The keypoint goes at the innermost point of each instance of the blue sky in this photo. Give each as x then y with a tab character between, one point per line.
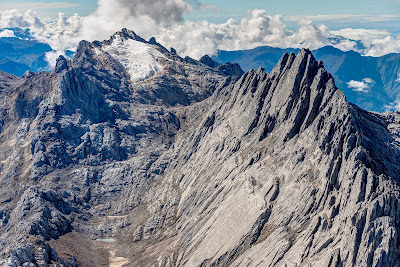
369	26
373	14
51	7
230	8
310	7
236	7
383	14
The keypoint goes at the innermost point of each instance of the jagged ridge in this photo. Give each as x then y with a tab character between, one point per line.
270	169
285	171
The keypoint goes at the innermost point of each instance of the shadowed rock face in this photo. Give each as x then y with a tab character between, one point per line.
193	167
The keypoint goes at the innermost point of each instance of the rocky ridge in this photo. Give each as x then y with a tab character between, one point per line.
194	167
378	74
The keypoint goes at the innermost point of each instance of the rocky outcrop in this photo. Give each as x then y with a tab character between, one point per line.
193	167
232	69
78	143
206	60
283	171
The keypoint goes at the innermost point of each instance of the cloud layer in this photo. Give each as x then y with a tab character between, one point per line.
395	106
146	17
60	34
164	19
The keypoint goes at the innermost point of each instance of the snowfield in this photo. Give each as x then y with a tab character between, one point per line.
139	59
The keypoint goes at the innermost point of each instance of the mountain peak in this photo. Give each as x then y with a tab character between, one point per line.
208	61
124	35
291	96
128	34
280	161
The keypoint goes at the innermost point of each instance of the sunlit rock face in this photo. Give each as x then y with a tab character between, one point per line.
131	155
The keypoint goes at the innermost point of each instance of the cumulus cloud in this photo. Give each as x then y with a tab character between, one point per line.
7	33
361	34
361	86
380	47
199	38
395	106
145	17
351	18
60	34
375	42
165	20
202	37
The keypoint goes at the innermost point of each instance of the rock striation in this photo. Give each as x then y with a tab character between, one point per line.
193	165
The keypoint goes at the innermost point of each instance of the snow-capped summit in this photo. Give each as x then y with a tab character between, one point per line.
139	58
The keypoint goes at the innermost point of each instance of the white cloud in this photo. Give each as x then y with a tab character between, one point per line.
143	16
52	56
202	37
380	47
398	77
395	106
368	81
198	38
361	34
375	42
44	29
361	86
60	34
164	19
7	33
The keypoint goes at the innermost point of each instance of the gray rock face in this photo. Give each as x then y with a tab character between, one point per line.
191	166
232	69
206	60
283	172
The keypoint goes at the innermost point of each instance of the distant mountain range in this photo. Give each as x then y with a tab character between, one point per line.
370	82
22	53
18	55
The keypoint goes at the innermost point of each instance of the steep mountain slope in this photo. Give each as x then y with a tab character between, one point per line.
344	66
284	171
189	166
77	143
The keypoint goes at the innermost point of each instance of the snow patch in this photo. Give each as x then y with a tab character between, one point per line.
361	86
98	51
139	59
